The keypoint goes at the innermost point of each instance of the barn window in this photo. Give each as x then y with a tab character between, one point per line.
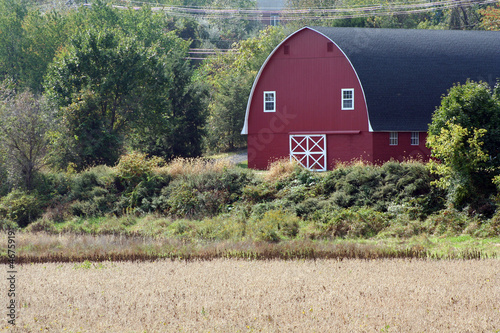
286	49
269	101
393	138
415	139
347	99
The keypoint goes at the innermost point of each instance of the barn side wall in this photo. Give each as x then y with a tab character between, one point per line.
266	147
383	151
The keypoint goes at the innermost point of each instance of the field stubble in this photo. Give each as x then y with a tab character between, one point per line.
228	295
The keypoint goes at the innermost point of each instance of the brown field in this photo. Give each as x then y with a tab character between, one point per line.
228	295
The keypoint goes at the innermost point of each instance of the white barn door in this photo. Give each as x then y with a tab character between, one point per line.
309	150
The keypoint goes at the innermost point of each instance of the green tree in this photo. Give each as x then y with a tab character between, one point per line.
230	77
12	14
178	130
24	122
103	83
464	137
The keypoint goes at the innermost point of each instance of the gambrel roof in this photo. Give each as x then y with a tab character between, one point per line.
404	73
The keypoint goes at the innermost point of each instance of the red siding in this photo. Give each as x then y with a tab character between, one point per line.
308	83
383	151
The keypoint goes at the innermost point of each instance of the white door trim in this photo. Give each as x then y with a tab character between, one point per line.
309	151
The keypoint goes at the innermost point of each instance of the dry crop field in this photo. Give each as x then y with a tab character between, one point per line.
228	295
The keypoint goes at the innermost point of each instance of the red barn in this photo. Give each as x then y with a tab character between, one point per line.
328	95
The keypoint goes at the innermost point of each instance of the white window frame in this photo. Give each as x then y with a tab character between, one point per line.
274	20
415	138
273	93
393	139
344	99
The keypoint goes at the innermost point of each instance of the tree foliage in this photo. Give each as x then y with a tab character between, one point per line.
231	76
490	19
110	86
464	138
24	122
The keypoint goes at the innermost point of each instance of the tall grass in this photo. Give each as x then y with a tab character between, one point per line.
43	247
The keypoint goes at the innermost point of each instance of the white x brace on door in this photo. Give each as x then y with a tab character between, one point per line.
309	150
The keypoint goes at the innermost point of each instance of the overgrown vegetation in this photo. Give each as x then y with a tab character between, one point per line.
205	200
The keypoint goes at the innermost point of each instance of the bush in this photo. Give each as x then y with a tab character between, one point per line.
204	194
41	225
20	207
448	221
134	167
379	187
274	225
222	227
348	222
8	225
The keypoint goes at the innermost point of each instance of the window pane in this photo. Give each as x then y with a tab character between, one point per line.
415	140
393	138
347	104
269	101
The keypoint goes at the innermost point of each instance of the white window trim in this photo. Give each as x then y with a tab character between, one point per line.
393	138
274	101
345	99
415	138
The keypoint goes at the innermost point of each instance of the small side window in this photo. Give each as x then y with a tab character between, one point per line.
393	138
347	99
415	138
269	101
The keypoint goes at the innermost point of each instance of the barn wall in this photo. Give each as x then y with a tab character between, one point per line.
403	151
308	82
264	148
349	148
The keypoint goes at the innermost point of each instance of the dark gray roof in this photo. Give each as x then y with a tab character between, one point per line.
404	73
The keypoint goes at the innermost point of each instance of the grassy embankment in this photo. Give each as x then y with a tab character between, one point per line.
144	209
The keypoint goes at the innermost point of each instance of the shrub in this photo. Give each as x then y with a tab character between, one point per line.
135	167
448	221
222	227
206	194
490	228
181	228
261	192
348	222
20	207
41	225
273	226
7	225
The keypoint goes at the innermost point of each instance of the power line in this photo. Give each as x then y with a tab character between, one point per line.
315	13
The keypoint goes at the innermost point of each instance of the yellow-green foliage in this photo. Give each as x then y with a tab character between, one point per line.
274	225
136	166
